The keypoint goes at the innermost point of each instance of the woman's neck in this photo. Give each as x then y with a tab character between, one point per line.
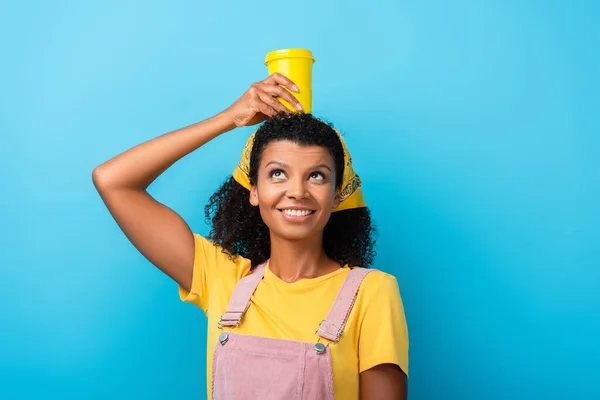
295	260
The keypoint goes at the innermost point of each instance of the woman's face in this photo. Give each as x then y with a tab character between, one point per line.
295	189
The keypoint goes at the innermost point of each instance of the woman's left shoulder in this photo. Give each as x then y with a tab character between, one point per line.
378	297
377	281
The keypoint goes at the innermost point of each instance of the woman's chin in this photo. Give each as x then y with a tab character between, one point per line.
297	233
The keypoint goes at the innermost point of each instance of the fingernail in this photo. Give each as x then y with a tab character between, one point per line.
299	107
295	88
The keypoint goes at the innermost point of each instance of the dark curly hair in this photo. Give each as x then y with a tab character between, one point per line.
237	226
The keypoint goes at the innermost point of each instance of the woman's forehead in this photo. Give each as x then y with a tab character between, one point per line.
293	154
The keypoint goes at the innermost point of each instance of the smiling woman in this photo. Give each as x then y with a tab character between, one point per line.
299	189
293	162
293	310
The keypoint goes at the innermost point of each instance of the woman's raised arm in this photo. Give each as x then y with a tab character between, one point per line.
159	233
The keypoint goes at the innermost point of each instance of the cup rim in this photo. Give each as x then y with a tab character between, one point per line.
288	53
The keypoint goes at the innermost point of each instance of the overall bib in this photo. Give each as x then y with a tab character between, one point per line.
252	367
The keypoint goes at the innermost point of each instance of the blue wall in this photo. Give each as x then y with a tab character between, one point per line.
474	126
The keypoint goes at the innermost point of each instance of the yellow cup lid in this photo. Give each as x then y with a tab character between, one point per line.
288	53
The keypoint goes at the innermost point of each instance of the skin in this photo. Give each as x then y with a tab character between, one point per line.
383	382
166	240
303	177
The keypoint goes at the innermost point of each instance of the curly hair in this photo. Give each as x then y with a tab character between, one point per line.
237	226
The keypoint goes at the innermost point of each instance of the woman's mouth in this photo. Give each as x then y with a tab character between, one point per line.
296	215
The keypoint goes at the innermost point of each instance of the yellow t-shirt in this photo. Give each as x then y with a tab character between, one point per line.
375	332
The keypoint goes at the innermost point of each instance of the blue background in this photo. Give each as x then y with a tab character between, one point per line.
474	125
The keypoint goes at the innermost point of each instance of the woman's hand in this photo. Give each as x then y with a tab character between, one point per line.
260	101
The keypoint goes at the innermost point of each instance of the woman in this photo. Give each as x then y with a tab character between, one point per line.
291	312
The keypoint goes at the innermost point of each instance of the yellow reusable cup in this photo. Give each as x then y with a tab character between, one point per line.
296	64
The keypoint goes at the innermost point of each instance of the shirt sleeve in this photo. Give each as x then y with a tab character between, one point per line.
210	263
384	333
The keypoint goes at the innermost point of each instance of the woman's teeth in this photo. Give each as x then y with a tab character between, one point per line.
297	213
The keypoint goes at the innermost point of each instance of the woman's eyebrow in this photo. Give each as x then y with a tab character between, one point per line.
284	165
321	166
281	164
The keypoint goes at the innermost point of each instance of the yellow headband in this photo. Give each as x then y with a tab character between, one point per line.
351	195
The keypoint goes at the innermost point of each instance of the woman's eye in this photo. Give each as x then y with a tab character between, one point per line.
277	174
317	176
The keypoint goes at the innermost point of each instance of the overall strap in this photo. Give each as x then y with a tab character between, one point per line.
333	325
240	298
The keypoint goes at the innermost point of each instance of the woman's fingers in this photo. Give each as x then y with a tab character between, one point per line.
272	101
256	102
259	106
262	100
273	85
279	79
278	91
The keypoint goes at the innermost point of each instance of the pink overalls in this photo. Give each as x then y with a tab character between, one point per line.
252	367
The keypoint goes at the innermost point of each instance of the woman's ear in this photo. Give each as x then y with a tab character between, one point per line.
253	196
336	199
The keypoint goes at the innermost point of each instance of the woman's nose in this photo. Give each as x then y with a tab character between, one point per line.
296	189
